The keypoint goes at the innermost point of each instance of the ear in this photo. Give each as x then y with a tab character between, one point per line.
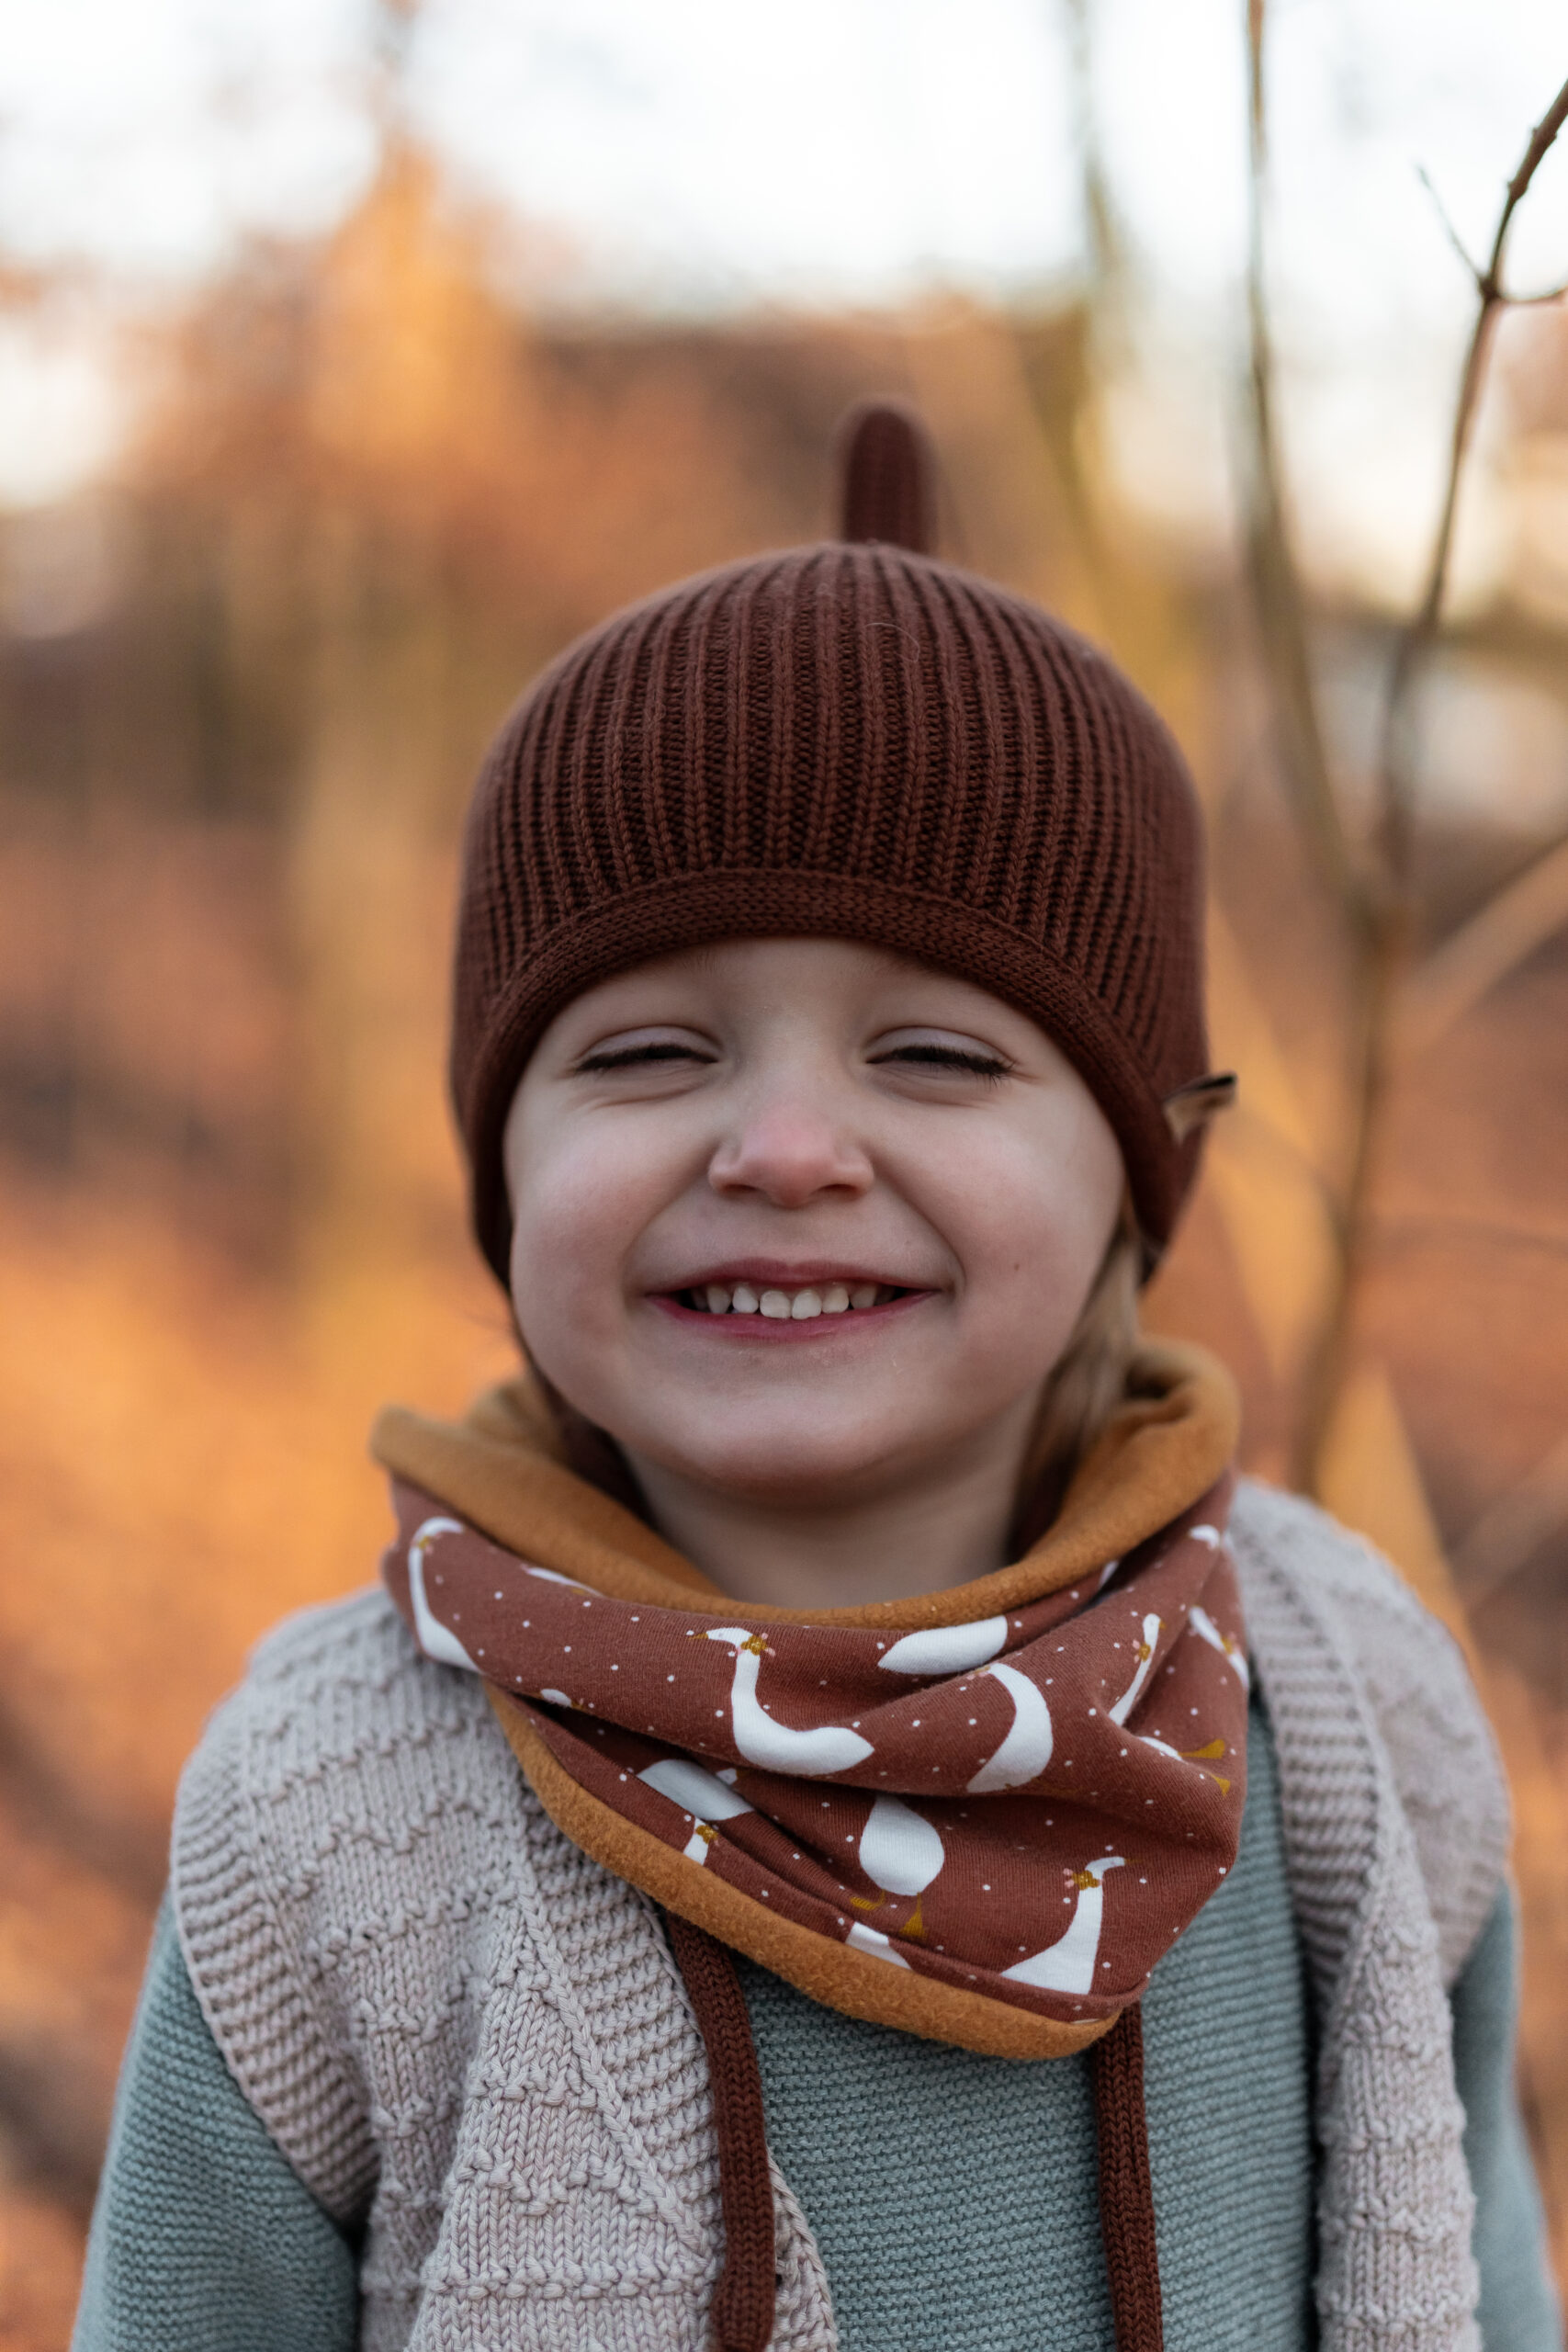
1193	1106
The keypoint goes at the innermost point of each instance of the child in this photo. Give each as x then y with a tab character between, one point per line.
842	1691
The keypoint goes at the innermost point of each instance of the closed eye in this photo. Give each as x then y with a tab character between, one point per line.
638	1057
970	1059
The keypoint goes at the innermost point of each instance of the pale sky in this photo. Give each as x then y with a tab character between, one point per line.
713	154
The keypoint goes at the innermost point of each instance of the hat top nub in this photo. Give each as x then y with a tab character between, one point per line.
889	477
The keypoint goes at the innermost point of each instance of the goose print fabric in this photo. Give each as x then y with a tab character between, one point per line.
1029	1808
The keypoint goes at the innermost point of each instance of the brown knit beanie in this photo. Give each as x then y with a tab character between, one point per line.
850	739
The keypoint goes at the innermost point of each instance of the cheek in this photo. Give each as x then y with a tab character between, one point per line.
1029	1218
578	1212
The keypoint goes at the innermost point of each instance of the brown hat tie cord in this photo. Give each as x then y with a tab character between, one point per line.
742	2312
1126	2191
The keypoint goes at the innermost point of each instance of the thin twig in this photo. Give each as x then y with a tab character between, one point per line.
1541	140
1512	1528
1472	268
1444	1230
1397	763
1387	925
1107	247
1520	916
1275	586
1382	960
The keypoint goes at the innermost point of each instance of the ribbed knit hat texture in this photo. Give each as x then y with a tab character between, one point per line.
849	740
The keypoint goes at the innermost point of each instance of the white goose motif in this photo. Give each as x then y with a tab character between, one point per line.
1161	1747
436	1640
1025	1752
900	1850
775	1748
706	1798
873	1941
946	1649
1067	1965
1126	1702
1235	1657
901	1853
1199	1756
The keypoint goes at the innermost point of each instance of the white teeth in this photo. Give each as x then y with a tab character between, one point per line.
788	1307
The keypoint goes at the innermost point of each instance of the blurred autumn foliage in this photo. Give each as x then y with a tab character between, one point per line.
243	692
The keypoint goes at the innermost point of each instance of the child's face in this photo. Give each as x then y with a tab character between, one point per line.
798	1123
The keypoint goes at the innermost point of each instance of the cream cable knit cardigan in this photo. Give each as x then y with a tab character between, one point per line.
458	2026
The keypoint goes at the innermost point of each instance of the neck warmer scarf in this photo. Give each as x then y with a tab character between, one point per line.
981	1815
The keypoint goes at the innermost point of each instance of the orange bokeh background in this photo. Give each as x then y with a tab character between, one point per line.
369	498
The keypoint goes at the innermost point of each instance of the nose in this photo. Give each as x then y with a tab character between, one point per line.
787	1150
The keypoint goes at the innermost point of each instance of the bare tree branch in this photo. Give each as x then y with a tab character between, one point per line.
1517	920
1512	1529
1472	268
1398	750
1385	920
1278	600
1106	249
1457	1231
1542	140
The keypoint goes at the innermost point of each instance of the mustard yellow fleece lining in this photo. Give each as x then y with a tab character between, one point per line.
500	1468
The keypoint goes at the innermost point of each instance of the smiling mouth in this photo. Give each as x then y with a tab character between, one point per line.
777	1305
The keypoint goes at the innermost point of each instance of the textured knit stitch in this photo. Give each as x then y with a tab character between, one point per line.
919	2226
435	2001
930	2176
1383	1941
1126	2191
742	2312
287	2275
1519	2301
855	741
440	2008
742	2316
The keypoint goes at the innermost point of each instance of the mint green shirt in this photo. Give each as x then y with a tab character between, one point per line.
953	2198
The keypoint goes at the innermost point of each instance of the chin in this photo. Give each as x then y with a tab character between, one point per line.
805	1466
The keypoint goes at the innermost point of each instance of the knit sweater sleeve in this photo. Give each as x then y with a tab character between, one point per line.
1519	2310
204	2238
